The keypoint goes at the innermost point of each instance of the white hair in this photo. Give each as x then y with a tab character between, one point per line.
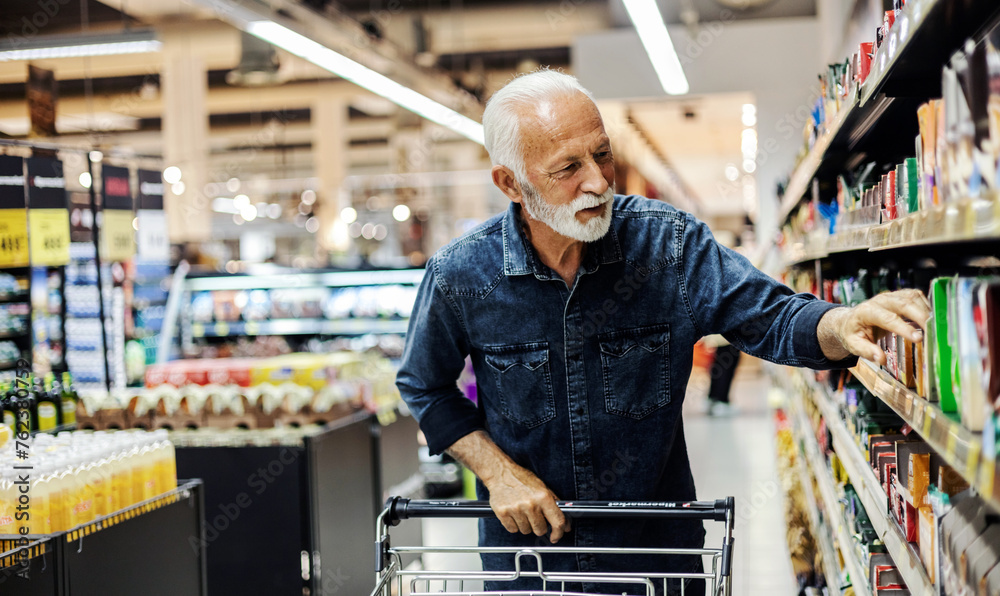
501	125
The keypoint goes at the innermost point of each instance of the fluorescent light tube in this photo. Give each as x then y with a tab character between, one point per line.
348	69
653	33
73	46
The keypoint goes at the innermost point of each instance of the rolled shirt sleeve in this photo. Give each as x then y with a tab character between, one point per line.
433	359
726	294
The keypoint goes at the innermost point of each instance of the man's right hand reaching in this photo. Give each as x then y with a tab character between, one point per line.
520	500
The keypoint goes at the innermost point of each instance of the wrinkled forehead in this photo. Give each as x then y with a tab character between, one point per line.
560	119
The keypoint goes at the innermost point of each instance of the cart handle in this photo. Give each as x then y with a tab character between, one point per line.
399	508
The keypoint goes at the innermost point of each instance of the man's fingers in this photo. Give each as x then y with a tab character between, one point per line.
911	304
884	318
508	523
557	520
865	349
538	524
523	524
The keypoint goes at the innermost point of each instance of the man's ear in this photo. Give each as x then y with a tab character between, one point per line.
504	179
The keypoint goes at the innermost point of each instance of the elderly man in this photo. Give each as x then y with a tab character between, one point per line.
580	309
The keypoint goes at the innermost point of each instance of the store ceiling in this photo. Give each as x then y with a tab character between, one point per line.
481	43
701	136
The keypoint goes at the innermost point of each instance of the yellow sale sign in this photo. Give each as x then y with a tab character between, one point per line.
49	237
13	238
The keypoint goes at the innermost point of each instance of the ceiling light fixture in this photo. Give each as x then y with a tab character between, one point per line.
45	47
377	83
656	40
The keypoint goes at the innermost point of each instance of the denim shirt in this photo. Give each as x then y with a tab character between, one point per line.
583	385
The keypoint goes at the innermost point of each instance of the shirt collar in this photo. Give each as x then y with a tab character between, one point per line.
520	257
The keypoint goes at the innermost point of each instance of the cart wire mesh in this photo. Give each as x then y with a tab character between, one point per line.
392	579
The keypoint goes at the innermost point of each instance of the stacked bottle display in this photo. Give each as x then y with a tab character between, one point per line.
49	403
77	477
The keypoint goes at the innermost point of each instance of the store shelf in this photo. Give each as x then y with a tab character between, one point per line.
803	174
875	501
305	280
299	327
969	220
816	462
908	22
961	448
8	297
908	61
960	221
182	492
11	554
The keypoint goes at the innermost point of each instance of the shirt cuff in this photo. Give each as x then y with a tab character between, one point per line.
805	341
448	421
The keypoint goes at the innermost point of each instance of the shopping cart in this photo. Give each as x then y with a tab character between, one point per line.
392	579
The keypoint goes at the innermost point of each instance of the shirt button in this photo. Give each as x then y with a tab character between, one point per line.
579	410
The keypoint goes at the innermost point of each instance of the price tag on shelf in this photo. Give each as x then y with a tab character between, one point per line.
197	330
929	415
48	237
987	479
221	329
949	448
13	238
252	328
118	236
973	461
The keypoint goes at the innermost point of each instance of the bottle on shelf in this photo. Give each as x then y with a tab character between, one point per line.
47	406
68	398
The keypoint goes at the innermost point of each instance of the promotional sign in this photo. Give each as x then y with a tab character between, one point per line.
48	215
13	215
117	233
154	244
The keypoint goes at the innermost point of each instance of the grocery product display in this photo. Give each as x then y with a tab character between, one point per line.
289	390
77	477
905	451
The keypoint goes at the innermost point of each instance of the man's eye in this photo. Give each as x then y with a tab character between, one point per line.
602	155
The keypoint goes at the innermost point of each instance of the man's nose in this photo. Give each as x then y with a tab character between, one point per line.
593	179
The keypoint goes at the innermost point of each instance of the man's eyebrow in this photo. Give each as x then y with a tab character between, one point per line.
604	145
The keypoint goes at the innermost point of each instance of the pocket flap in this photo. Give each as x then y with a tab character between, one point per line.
531	356
618	343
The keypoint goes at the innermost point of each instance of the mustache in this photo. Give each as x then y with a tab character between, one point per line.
588	200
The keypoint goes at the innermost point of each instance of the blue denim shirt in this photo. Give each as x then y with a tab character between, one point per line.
583	385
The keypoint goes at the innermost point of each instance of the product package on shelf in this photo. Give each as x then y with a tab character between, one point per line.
294	389
85	346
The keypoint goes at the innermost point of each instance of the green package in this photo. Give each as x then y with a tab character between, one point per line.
941	349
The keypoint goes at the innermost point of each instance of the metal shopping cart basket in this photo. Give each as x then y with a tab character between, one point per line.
393	580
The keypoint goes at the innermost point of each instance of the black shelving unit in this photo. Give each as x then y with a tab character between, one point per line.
284	519
144	549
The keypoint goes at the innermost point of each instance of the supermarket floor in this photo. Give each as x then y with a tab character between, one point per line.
731	455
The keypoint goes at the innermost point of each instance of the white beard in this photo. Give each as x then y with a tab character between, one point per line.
562	218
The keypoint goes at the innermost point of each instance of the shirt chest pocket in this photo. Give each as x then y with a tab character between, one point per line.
523	382
636	368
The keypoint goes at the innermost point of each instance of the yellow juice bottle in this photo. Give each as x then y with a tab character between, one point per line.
58	498
167	462
41	521
8	500
147	467
103	501
122	492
